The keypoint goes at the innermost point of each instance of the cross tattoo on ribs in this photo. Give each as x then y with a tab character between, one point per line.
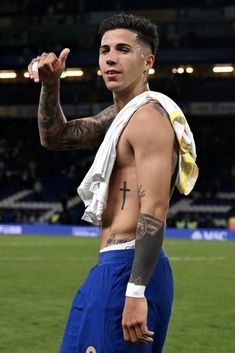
125	190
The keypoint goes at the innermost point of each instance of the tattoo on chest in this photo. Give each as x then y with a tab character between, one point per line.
124	190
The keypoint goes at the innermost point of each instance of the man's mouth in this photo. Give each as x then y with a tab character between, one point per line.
112	72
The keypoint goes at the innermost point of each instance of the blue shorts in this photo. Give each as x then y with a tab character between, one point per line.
94	323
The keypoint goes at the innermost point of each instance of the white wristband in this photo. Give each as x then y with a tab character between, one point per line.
134	290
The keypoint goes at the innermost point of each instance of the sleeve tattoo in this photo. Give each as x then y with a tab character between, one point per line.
58	133
149	239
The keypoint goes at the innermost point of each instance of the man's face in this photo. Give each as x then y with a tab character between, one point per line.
122	60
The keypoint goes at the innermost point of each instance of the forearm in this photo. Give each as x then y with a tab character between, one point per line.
149	239
51	119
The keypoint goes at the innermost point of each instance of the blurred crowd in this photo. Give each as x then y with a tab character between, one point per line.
69	6
54	176
33	27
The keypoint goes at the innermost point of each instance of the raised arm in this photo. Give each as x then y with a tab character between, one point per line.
152	139
55	131
59	134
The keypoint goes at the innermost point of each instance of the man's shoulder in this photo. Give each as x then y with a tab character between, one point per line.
150	115
150	124
150	110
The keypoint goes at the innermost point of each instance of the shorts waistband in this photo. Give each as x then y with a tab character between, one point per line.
127	255
122	246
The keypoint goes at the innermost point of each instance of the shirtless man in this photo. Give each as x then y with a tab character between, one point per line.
125	304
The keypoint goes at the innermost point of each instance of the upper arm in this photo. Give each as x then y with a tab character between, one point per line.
84	133
152	139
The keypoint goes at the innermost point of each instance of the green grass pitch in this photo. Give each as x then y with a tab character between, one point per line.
40	274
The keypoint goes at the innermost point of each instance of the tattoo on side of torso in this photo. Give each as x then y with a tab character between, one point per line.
140	192
124	190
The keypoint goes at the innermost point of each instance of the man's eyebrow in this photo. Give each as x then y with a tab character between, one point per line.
104	46
124	45
118	45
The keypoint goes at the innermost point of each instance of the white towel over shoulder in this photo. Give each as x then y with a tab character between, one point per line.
93	190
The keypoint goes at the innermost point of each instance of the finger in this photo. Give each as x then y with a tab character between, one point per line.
129	334
46	67
63	55
47	64
140	337
35	71
48	61
33	67
30	69
126	334
138	332
146	333
132	334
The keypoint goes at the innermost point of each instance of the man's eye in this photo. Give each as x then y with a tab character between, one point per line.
103	51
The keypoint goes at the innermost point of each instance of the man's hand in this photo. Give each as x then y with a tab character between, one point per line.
134	321
47	68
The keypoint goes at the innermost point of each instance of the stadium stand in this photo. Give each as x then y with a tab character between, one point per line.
39	185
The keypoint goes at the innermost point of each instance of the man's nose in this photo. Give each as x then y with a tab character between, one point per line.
110	62
111	58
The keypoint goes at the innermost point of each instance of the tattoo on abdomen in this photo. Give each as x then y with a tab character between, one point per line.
124	189
149	238
114	241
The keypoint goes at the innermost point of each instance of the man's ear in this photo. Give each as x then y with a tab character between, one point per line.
149	61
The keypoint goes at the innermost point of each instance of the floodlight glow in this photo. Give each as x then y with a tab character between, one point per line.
6	74
180	70
189	70
72	73
222	69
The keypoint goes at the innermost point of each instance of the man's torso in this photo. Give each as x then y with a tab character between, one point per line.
120	217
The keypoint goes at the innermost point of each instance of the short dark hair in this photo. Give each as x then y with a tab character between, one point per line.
146	30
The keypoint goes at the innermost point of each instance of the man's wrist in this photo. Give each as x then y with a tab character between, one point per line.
49	85
135	291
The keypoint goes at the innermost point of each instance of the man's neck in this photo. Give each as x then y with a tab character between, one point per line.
121	99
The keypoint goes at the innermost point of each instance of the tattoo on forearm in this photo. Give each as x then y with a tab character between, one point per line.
49	111
113	240
149	239
124	189
50	116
